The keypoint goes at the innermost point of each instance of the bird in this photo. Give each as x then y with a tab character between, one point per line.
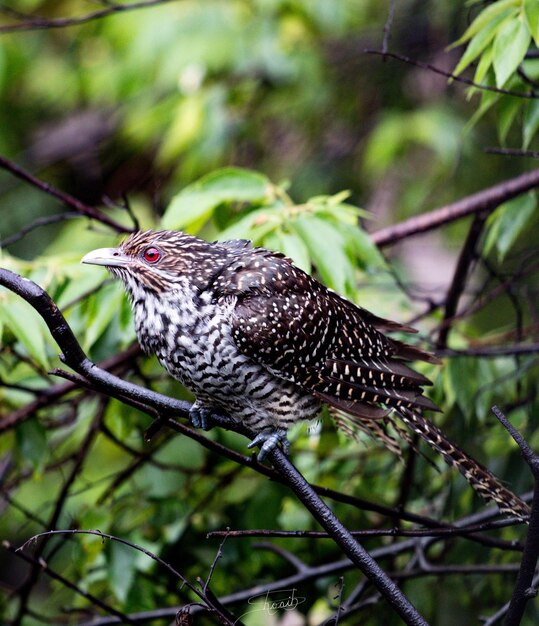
253	335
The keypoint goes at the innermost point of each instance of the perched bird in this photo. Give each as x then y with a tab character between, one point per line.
254	336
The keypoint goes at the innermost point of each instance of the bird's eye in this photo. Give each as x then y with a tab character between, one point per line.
152	255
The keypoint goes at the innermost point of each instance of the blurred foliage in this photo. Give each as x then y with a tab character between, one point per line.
247	119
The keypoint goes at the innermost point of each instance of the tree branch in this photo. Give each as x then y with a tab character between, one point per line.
486	200
119	618
42	23
460	79
524	589
462	270
65	198
74	356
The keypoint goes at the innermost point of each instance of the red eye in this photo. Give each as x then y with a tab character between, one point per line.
152	255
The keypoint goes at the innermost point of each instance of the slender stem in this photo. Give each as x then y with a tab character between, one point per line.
524	588
75	357
65	198
486	200
342	537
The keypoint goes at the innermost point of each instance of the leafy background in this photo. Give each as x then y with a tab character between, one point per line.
248	118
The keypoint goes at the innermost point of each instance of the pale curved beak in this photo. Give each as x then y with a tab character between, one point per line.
109	257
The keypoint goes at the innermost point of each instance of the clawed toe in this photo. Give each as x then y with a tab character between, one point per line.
268	441
200	417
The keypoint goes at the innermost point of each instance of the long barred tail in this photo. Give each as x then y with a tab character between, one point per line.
480	478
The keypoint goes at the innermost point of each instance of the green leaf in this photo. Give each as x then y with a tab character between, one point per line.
509	107
511	44
489	14
366	251
484	64
294	247
508	222
81	284
121	569
488	99
326	247
481	40
103	306
26	326
196	203
255	225
531	9
531	121
32	443
461	372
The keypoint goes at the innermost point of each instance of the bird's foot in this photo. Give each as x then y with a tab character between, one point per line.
200	417
268	441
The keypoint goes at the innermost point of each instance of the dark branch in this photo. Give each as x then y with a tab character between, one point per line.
465	261
388	25
493	351
65	198
524	587
113	386
37	223
42	23
374	532
455	77
486	200
119	618
51	395
532	154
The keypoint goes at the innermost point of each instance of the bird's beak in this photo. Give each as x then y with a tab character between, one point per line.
110	257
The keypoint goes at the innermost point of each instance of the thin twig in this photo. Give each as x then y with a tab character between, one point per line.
119	618
65	198
125	542
486	200
111	385
387	26
493	351
462	270
37	223
42	23
33	575
373	532
218	555
513	152
455	77
524	588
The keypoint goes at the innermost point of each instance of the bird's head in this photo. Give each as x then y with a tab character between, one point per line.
158	260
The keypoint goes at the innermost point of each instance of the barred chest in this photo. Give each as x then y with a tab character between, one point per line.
190	336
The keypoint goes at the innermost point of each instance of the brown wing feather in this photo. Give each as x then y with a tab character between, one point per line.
309	335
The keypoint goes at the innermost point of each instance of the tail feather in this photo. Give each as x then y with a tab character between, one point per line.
480	478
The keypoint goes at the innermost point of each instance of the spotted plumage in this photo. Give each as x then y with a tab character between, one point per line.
251	334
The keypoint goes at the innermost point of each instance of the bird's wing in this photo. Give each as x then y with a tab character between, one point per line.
305	333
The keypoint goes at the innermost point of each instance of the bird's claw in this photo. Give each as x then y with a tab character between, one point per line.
200	417
268	441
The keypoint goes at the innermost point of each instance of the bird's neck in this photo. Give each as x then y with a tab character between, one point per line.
160	316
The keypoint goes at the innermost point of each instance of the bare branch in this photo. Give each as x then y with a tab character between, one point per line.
41	23
65	198
113	386
524	587
532	154
493	351
450	532
119	618
455	77
462	270
37	223
486	200
388	25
